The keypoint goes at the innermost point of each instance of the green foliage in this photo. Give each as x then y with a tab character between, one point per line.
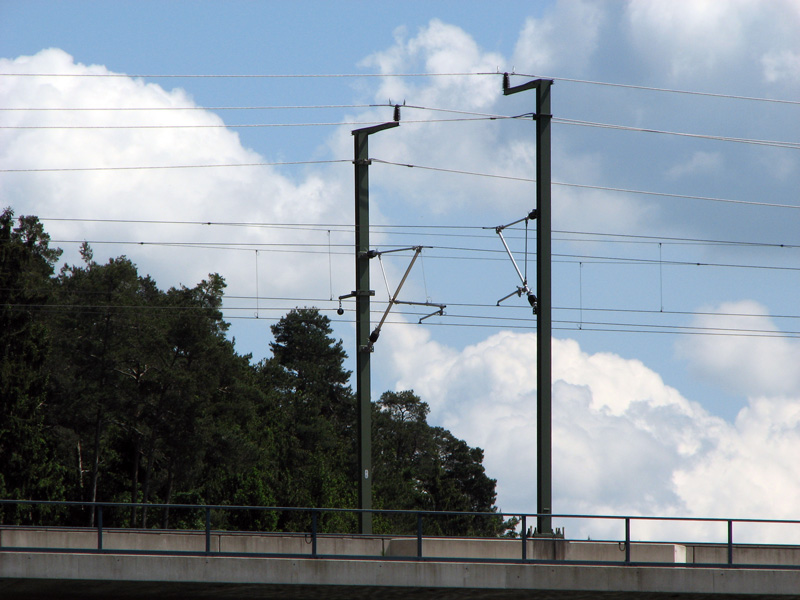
419	467
26	264
114	390
315	416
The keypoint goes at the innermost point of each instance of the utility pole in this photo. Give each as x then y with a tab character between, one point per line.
362	294
544	320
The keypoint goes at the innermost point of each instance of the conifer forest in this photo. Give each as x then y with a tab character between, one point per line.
114	390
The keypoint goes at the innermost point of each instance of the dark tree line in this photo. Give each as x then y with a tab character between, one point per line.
113	390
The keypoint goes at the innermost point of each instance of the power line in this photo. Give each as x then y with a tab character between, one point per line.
239	126
386	229
474	117
575	326
409	165
324	248
379	311
667	90
772	143
207	166
246	76
591	187
185	108
401	75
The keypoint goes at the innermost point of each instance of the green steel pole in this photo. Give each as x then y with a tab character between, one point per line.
363	345
544	317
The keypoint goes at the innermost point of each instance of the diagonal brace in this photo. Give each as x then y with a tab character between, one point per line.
373	337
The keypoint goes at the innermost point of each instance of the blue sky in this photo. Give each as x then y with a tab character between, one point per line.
676	380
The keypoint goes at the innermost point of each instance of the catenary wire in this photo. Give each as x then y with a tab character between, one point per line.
242	125
662	89
185	108
474	116
497	73
385	228
207	166
246	76
586	186
322	248
576	326
772	143
410	165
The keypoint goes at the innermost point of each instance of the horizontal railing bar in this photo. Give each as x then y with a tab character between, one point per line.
227	507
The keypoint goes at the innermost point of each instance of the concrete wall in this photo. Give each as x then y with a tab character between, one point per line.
193	541
25	575
376	546
747	555
301	544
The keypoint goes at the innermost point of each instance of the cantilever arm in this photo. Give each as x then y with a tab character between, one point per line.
373	337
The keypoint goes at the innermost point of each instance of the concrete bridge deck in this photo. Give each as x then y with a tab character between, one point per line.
62	563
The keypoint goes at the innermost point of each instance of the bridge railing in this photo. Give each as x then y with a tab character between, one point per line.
403	535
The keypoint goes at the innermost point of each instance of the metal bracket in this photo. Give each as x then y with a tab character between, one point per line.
508	89
373	337
532	300
355	293
363	161
439	312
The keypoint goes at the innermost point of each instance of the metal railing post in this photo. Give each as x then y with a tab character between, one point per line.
627	540
730	541
524	537
419	535
208	530
99	527
314	533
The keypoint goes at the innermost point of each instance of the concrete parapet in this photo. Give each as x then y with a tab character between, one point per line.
31	575
537	549
456	548
746	555
68	539
615	552
300	544
546	549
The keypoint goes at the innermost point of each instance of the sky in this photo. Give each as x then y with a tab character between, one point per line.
201	137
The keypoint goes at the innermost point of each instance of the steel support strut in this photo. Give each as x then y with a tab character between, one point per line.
363	346
544	475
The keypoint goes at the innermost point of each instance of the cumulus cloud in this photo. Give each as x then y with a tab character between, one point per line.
624	442
105	192
700	163
562	41
781	66
482	146
717	40
611	416
756	362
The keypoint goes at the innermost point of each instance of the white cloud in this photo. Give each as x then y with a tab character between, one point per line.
483	146
711	40
781	66
700	163
691	38
252	194
760	363
563	41
437	48
623	441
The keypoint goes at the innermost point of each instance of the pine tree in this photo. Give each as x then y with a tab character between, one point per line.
27	468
